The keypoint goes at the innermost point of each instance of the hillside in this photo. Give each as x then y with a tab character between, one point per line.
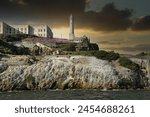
15	37
7	48
65	72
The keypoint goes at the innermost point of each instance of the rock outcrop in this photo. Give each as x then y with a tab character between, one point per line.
63	72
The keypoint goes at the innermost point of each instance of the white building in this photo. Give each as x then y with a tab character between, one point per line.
43	31
6	29
38	30
23	29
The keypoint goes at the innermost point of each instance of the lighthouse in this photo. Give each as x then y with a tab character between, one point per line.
71	34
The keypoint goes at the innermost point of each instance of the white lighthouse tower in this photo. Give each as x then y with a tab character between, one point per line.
71	34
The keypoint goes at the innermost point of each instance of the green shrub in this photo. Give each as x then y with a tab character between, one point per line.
104	55
125	62
7	48
15	37
30	78
68	47
125	83
142	54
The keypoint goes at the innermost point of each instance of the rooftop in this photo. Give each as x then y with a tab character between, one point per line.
43	40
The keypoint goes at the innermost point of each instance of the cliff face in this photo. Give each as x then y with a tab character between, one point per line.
53	72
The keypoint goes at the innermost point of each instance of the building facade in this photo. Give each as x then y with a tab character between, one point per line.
38	30
43	31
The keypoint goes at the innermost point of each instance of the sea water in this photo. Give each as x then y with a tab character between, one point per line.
76	95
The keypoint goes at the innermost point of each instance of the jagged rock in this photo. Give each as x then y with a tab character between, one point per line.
63	72
3	67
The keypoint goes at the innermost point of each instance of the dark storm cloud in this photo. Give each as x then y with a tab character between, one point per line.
48	11
142	24
57	12
109	19
20	2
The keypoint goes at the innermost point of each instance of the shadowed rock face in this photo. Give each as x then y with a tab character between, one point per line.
3	67
64	72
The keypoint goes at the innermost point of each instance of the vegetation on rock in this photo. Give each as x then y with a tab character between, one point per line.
67	47
15	37
125	83
7	48
125	62
104	55
142	54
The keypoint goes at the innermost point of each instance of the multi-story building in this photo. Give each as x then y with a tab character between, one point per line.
38	30
6	29
43	31
23	29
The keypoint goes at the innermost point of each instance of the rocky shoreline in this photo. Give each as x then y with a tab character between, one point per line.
65	72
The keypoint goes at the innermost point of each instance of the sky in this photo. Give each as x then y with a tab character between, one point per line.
116	25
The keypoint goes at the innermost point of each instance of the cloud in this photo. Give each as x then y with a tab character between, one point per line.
109	19
54	12
109	42
142	24
19	2
139	47
57	12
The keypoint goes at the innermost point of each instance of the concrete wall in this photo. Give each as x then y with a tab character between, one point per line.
1	25
40	31
6	29
21	29
43	31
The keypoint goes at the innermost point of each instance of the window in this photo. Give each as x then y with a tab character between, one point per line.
39	30
44	30
21	29
13	31
7	30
